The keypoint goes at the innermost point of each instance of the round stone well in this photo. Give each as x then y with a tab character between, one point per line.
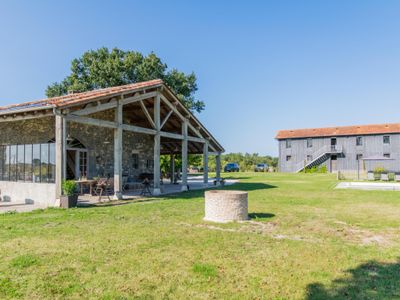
224	206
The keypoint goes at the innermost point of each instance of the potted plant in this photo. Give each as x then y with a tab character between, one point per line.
70	196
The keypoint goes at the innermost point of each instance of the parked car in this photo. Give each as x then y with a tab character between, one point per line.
194	170
261	168
232	167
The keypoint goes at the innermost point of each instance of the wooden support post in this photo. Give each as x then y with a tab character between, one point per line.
157	146
218	167
59	155
118	153
172	167
205	163
184	155
64	159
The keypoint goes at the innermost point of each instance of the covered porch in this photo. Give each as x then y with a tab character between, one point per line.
116	133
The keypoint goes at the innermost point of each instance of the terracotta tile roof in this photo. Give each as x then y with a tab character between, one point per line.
79	97
339	131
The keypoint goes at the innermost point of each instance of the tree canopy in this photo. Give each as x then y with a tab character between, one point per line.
103	68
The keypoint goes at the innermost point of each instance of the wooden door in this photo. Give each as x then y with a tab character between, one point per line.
333	163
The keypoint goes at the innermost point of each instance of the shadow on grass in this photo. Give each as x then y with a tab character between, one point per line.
249	186
260	216
371	280
84	204
243	186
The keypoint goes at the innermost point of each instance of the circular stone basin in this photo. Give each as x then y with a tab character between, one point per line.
226	206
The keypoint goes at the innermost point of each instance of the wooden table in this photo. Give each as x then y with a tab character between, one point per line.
87	182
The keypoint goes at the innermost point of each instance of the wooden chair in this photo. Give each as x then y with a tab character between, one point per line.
103	188
125	185
146	187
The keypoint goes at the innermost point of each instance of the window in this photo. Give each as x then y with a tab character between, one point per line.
2	160
20	163
387	155
13	163
309	157
6	163
359	156
309	143
150	164
288	143
288	157
29	163
83	164
36	163
386	139
52	163
135	161
359	141
44	162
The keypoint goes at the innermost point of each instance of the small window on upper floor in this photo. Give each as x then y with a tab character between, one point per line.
288	157
309	143
288	143
359	156
309	157
387	155
386	139
359	141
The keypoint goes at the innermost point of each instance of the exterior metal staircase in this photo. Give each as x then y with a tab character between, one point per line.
319	157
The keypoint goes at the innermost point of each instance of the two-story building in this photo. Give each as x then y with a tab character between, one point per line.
340	148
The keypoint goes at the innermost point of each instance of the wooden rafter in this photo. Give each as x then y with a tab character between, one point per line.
146	112
166	118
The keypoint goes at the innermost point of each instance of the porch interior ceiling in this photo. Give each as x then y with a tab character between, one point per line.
171	146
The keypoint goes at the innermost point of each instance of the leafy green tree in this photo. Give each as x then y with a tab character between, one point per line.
103	68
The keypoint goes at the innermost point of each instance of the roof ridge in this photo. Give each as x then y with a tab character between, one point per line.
53	100
339	130
341	126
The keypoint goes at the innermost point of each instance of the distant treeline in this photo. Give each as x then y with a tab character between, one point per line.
246	161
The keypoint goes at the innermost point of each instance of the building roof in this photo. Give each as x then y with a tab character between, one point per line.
339	131
76	98
47	106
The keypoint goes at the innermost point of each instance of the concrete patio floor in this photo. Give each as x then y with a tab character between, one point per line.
194	183
6	207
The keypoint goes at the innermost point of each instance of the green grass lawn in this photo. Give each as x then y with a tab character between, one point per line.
305	241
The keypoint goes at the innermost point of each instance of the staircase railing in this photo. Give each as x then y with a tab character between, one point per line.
327	149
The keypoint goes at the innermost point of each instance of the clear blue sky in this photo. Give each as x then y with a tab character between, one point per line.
261	65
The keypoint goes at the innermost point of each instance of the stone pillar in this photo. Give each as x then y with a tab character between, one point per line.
172	168
118	153
205	163
59	155
157	147
184	154
218	167
64	159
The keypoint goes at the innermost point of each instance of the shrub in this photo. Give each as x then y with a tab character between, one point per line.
323	169
317	169
379	170
69	187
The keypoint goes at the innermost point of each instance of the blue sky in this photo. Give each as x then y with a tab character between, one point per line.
261	65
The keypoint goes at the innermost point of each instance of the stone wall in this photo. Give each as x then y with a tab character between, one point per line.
99	142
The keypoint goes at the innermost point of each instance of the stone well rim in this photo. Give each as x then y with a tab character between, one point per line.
226	192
